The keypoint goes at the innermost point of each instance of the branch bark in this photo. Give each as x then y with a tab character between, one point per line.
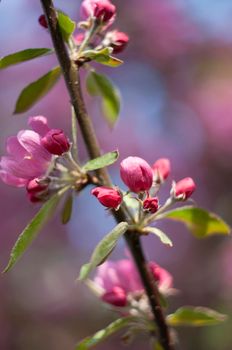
72	81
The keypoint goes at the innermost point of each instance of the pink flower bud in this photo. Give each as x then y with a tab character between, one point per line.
116	297
117	40
137	174
163	277
55	142
161	169
151	204
42	21
107	196
35	189
184	188
103	10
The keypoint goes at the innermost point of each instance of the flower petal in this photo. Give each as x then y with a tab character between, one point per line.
12	180
39	124
14	148
26	169
31	141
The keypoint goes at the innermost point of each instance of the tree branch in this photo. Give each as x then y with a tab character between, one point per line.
72	80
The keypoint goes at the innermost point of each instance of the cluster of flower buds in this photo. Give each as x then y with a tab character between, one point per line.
145	181
119	285
40	160
100	15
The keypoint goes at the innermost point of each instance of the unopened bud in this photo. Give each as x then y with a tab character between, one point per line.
55	142
116	297
137	174
103	10
117	40
183	189
151	204
161	169
42	21
34	189
107	196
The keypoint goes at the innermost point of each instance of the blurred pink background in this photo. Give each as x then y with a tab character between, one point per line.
176	85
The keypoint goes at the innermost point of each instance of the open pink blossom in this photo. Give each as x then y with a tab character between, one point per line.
27	158
120	280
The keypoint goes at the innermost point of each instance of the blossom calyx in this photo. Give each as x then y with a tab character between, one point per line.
137	174
107	196
103	10
116	297
151	204
183	189
55	142
161	169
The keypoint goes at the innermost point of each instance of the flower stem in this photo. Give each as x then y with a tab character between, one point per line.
72	80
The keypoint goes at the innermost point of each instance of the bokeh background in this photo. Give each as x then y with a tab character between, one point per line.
176	85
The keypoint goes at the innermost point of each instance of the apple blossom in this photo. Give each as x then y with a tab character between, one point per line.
161	169
184	188
107	196
136	173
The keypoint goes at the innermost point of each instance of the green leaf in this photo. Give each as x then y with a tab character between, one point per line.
199	221
103	249
67	209
103	334
99	85
32	229
102	56
102	161
67	26
195	316
22	56
36	90
162	236
157	346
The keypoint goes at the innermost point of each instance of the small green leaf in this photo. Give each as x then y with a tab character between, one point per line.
100	85
199	221
67	209
102	250
111	61
67	26
103	56
101	162
32	229
158	346
195	316
162	236
22	56
103	334
36	90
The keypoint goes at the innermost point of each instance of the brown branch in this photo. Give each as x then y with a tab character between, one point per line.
72	80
